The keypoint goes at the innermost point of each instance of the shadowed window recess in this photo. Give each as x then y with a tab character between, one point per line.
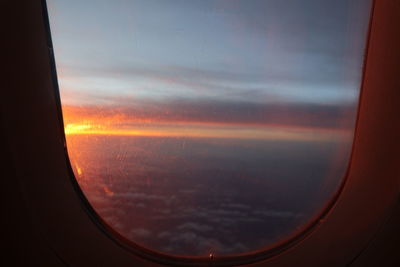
209	127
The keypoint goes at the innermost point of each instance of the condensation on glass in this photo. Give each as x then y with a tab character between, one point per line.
198	127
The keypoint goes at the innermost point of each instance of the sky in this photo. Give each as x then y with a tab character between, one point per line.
239	62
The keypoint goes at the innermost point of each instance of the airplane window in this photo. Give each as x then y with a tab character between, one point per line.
217	127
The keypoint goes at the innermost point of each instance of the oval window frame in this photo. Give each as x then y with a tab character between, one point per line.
67	217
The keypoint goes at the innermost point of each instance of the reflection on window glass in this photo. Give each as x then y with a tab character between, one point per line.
197	127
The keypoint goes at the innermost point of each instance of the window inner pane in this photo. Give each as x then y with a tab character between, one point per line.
198	127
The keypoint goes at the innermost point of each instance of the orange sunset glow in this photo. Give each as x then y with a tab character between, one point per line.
82	121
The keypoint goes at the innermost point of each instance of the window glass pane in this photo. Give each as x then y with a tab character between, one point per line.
197	127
